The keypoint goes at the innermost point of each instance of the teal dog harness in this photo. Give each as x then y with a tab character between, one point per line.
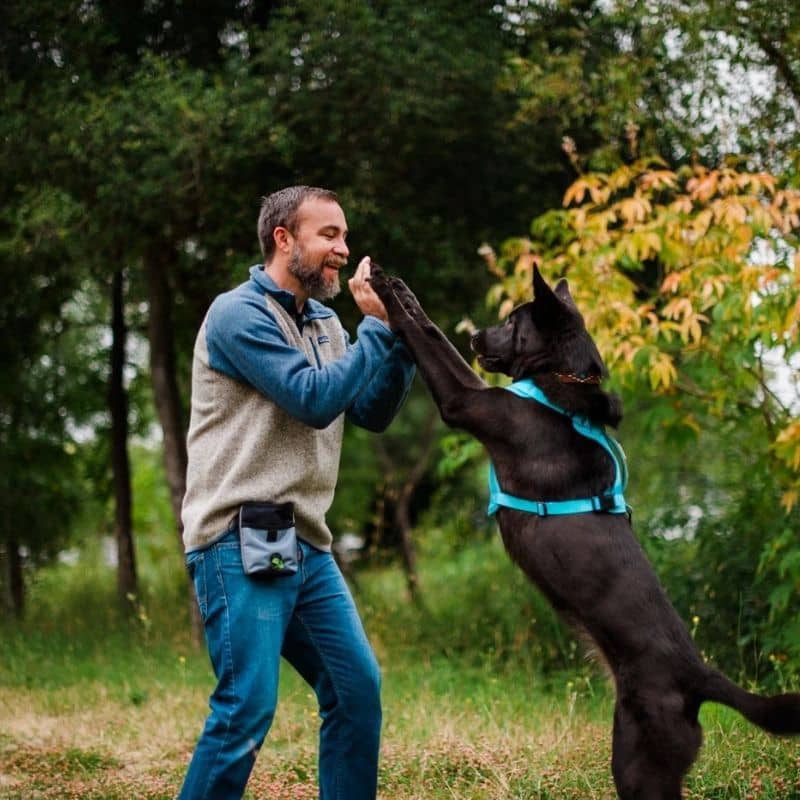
610	502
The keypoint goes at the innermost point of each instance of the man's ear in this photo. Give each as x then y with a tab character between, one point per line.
283	239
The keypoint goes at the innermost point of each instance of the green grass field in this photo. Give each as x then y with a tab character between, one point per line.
95	707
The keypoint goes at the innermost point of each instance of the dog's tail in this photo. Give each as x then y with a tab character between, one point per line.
779	714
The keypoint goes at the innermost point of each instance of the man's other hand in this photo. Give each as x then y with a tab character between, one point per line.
364	294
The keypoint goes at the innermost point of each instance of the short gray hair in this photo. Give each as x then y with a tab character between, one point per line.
279	210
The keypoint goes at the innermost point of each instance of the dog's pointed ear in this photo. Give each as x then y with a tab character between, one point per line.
540	287
562	293
549	306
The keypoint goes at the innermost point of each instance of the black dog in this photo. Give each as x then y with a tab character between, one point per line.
588	564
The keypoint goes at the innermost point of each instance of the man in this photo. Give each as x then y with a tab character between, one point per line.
273	377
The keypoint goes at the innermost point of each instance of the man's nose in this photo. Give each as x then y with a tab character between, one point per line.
341	248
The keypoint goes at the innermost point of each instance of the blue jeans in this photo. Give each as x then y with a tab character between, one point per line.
310	619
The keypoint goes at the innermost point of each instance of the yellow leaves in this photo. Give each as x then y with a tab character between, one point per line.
677	308
626	350
689	321
690	421
662	371
525	264
701	222
646	245
486	252
787	447
713	288
638	246
792	319
729	212
628	319
787	444
633	209
591	184
647	314
789	499
506	307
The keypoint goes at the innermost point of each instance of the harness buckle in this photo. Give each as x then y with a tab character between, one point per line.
604	502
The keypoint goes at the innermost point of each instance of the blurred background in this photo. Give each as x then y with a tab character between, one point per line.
647	150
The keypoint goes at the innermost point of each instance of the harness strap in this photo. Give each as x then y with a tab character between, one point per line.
610	502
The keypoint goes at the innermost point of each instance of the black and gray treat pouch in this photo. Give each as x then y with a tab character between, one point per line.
268	539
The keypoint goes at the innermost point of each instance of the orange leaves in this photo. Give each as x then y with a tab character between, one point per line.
682	205
593	185
703	186
658	179
729	212
672	282
634	209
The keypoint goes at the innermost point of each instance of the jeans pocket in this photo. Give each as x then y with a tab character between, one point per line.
196	564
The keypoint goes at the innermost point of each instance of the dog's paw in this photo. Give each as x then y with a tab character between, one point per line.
407	298
383	285
380	282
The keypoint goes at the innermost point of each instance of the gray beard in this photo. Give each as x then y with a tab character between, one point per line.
311	278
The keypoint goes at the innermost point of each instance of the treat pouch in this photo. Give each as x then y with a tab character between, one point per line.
268	539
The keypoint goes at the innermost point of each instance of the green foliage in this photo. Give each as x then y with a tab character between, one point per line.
707	510
137	133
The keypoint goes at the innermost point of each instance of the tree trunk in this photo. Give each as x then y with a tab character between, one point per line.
167	399
402	520
402	496
164	378
127	585
782	64
14	579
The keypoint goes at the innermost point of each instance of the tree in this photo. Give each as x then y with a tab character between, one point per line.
127	583
716	77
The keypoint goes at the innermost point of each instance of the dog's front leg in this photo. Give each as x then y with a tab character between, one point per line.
451	380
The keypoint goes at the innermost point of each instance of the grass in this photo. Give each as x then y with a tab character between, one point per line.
98	708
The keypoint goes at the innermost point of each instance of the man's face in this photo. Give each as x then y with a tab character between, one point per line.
319	248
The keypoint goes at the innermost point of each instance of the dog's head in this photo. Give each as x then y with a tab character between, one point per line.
546	339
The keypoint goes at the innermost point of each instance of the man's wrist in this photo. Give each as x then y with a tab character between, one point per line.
384	322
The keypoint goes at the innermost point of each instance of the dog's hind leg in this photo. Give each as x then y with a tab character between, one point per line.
651	754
